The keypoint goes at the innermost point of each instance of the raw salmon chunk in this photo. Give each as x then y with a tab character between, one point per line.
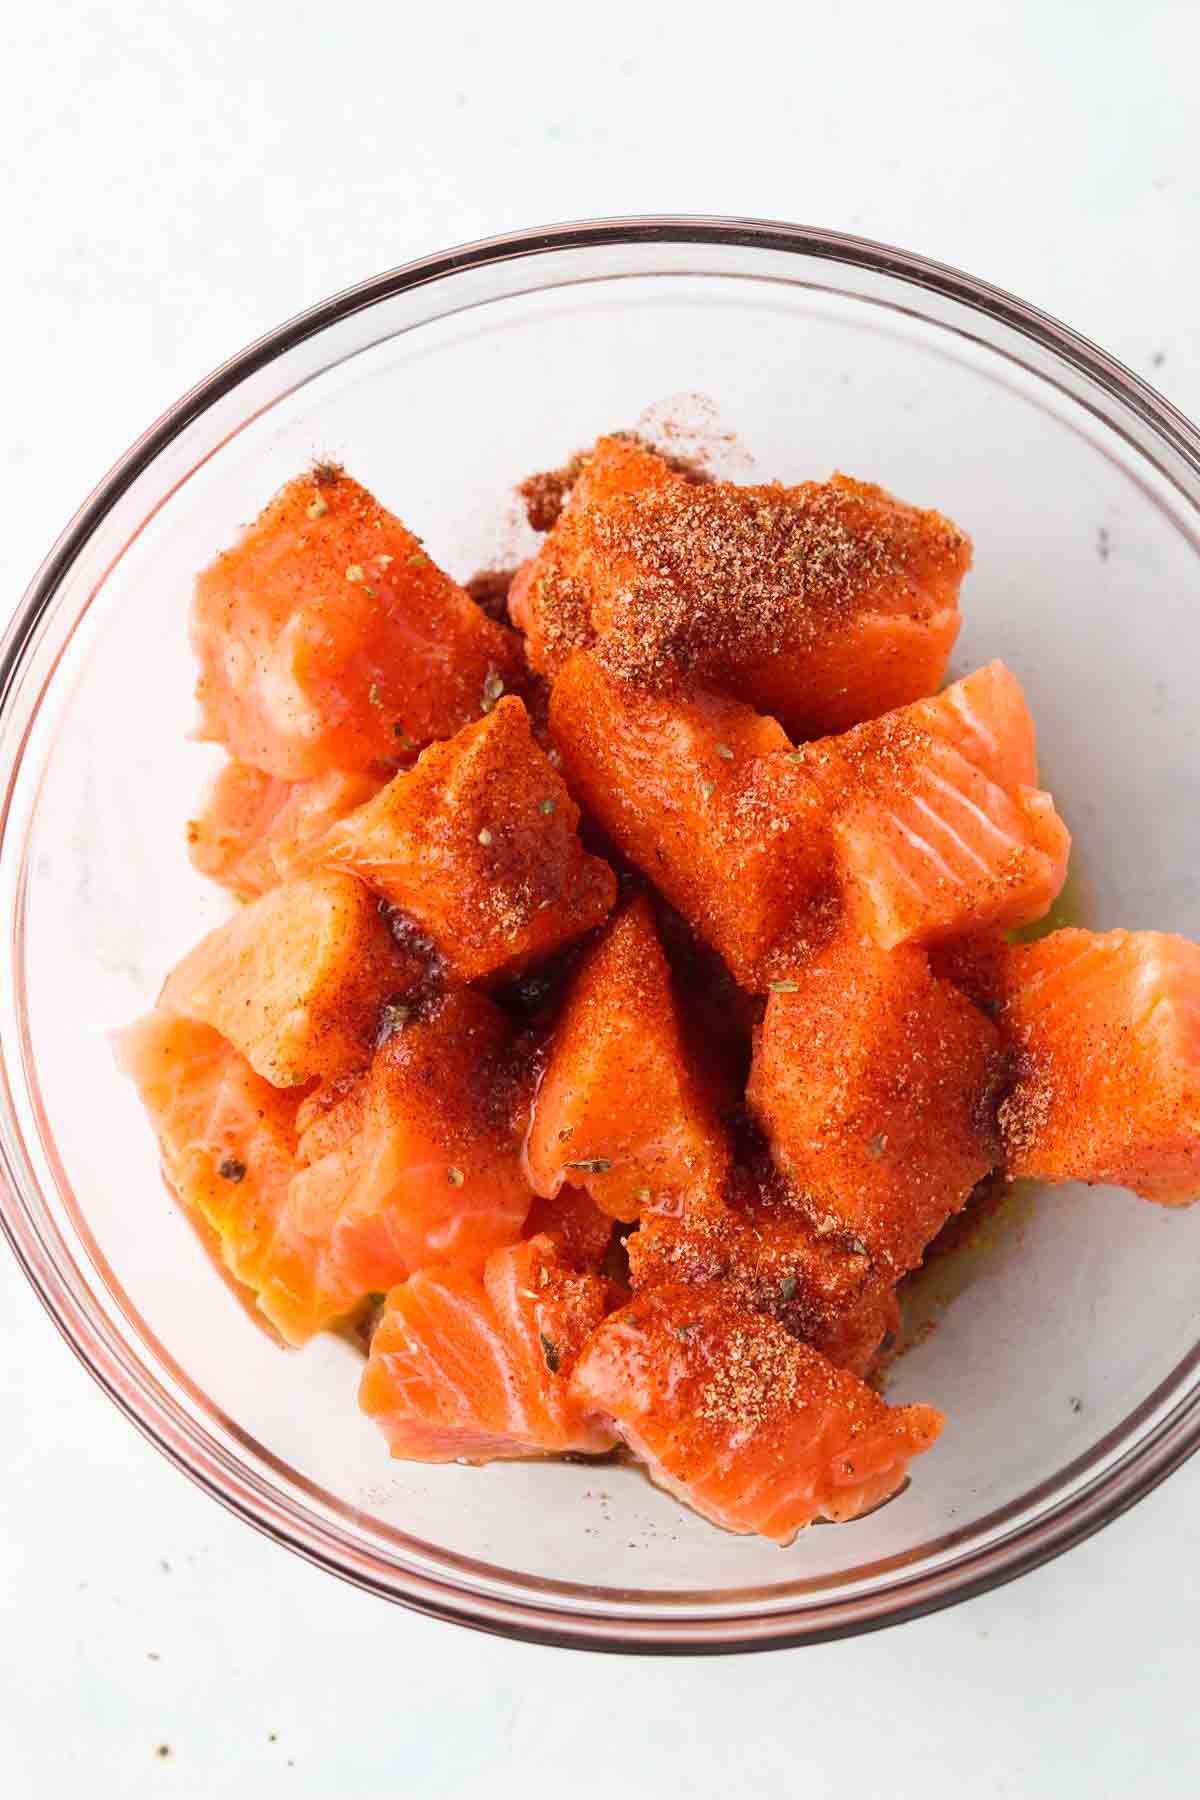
415	1165
226	1137
822	604
769	1257
254	830
875	1084
621	1109
437	1380
737	1418
296	980
328	639
478	845
550	598
711	803
938	829
1106	1029
406	1175
856	1338
470	1368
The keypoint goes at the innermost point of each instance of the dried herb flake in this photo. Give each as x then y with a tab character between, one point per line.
550	1352
232	1169
493	688
393	1017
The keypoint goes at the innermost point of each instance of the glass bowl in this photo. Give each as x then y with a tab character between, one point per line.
1066	1358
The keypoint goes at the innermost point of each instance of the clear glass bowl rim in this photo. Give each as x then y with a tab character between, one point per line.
1163	1449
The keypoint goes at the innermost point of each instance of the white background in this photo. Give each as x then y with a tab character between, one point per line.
177	178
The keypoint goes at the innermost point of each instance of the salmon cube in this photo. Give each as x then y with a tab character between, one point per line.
415	1165
478	845
708	799
769	1257
1106	1031
938	829
296	980
755	1430
254	830
328	639
550	599
822	604
226	1137
622	1109
875	1085
470	1368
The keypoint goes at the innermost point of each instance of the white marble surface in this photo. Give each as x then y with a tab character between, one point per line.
180	178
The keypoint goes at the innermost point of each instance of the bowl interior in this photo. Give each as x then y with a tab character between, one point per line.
1071	1332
